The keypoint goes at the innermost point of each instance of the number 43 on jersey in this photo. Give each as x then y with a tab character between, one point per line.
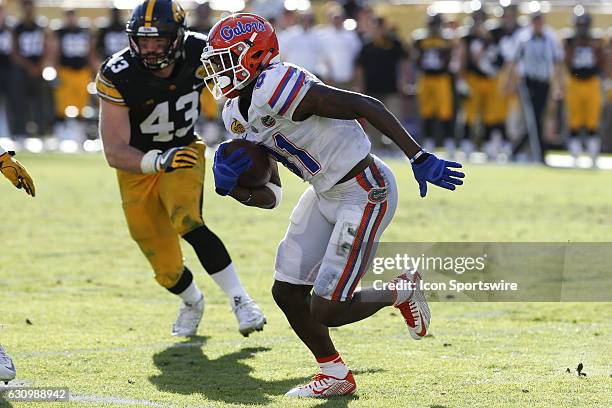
159	125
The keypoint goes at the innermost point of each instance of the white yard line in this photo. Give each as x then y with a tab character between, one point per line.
115	400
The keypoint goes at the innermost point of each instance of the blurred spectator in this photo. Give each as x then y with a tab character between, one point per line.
505	35
538	65
302	45
269	9
74	54
32	110
286	21
584	58
203	19
351	8
432	52
6	73
380	73
484	104
341	47
366	20
112	37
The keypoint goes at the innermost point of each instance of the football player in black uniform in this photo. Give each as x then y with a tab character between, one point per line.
149	103
32	107
432	53
111	38
481	75
504	39
75	57
585	61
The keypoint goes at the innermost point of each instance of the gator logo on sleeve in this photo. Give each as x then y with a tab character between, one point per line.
237	127
268	121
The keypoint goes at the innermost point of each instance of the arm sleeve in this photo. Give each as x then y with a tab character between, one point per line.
282	89
107	90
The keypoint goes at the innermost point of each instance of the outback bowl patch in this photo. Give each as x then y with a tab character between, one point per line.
377	195
237	127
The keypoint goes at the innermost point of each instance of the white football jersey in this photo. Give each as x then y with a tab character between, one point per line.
319	150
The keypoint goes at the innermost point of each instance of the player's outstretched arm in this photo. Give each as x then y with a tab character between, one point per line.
322	100
16	173
115	132
329	102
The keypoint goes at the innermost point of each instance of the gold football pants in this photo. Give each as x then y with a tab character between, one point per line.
72	89
435	96
485	101
584	103
159	209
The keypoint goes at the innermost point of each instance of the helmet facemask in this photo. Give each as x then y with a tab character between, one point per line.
218	63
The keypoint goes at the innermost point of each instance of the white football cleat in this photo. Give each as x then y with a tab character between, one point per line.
415	309
249	315
7	368
323	385
188	319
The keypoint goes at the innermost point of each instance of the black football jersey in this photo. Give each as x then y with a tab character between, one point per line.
434	54
30	41
111	40
486	65
74	44
163	111
504	41
584	57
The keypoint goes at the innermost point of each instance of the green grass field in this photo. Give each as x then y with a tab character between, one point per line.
100	325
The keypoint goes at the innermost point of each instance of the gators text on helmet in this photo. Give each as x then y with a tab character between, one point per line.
239	47
157	18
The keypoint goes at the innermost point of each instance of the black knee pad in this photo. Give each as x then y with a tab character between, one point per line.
210	249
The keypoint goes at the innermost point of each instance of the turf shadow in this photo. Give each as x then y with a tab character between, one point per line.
187	370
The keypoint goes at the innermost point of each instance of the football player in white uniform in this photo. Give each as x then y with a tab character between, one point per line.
312	129
18	175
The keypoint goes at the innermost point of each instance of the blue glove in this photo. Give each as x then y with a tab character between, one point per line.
437	172
228	169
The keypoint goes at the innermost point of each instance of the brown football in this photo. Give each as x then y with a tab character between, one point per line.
259	173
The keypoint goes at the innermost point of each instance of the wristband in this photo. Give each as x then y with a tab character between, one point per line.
149	163
416	156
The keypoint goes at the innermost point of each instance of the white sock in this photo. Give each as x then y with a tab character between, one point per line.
333	366
593	146
575	147
227	279
191	295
